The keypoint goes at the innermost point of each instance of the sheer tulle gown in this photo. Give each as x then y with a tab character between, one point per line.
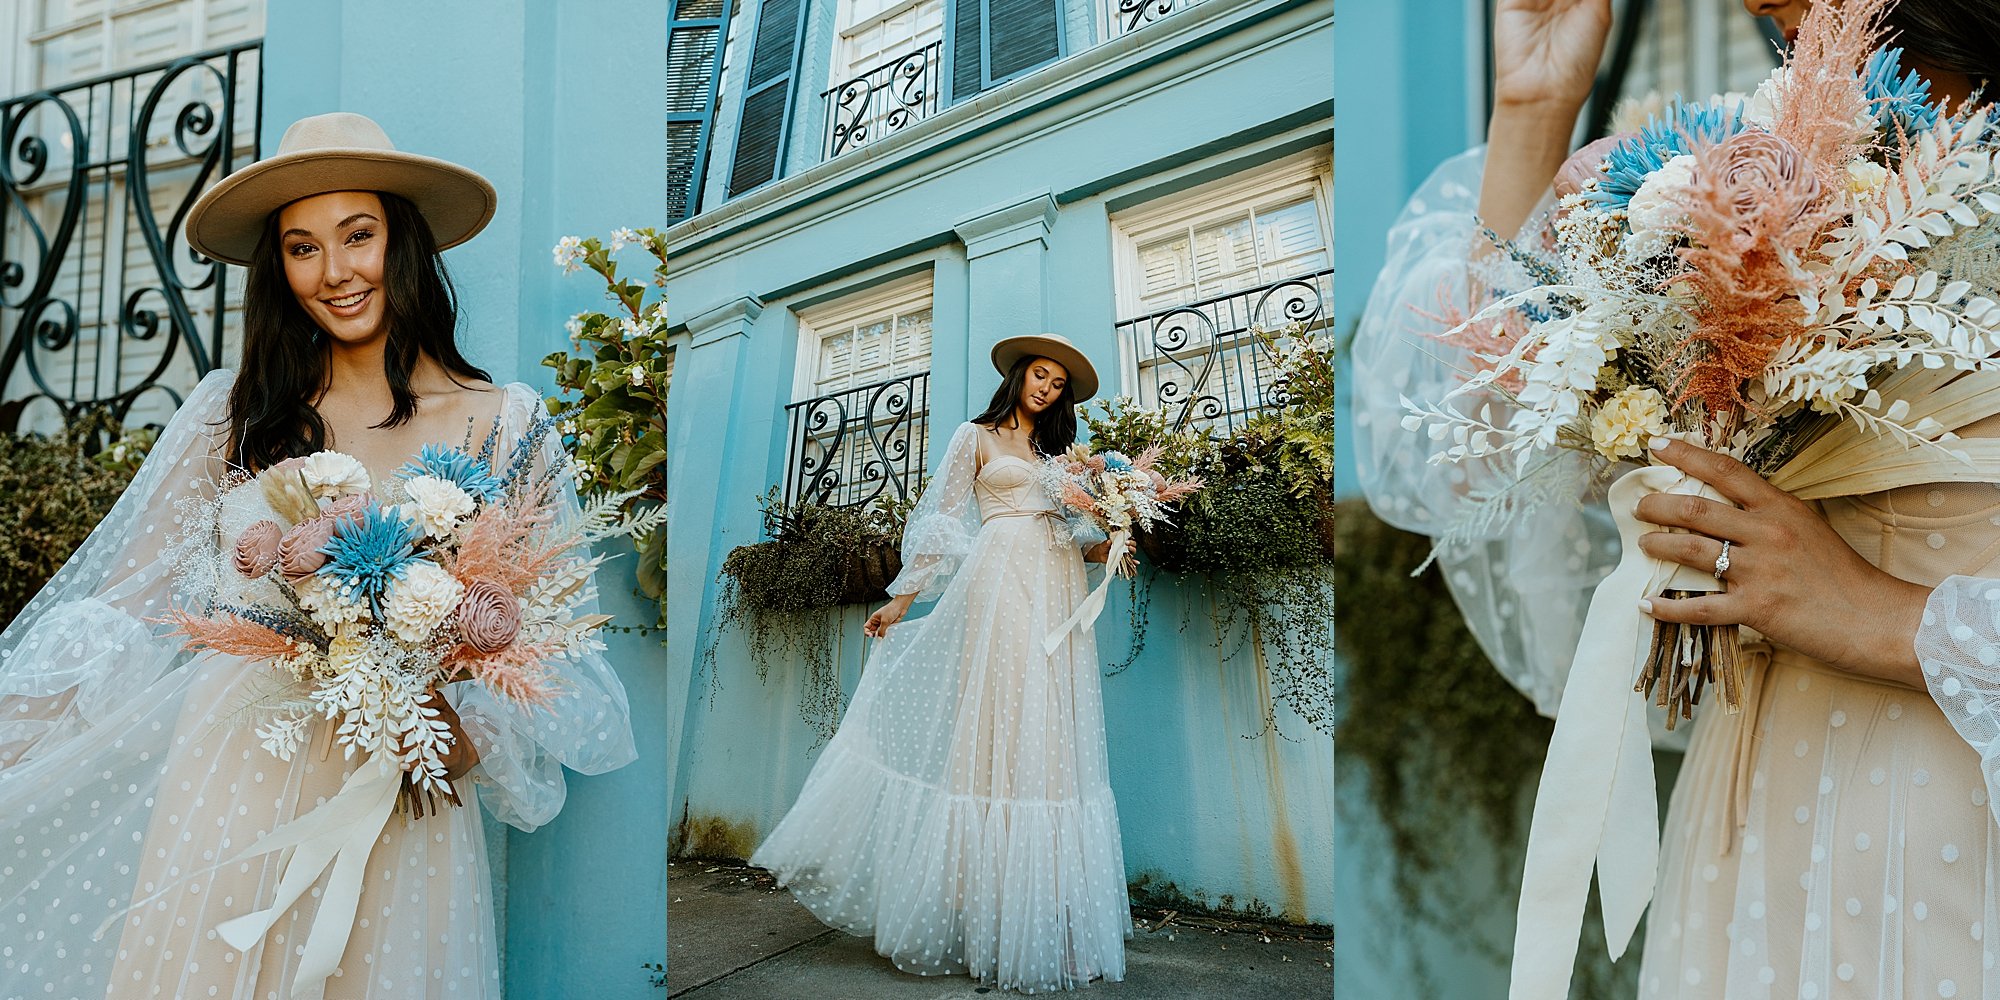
962	814
1837	839
129	772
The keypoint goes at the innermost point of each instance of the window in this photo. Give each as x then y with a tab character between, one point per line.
694	69
1198	273
120	328
993	41
886	70
1118	17
764	125
859	426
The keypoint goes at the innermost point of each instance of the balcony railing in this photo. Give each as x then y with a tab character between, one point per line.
883	101
1202	363
1123	16
853	447
101	301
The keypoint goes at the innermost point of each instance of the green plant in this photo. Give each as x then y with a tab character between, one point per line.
1260	531
783	593
51	495
618	366
1447	746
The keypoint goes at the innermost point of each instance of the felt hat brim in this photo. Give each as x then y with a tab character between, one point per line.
1082	374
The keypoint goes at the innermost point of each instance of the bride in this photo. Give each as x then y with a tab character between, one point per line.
131	778
962	814
1838	837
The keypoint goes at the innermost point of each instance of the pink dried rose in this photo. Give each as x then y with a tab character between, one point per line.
348	506
290	465
489	616
1586	163
1763	173
257	549
299	554
1095	462
1159	481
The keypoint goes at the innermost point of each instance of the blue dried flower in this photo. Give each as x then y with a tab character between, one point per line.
1684	126
1116	461
1898	101
470	474
368	551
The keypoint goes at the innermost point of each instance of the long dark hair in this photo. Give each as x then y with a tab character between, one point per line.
271	412
1055	427
1962	36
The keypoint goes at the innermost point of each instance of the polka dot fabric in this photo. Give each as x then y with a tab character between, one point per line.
129	782
962	815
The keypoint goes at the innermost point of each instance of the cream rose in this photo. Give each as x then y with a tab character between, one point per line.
1623	425
1655	210
437	505
330	474
420	600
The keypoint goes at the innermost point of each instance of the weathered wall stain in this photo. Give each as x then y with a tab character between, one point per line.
712	837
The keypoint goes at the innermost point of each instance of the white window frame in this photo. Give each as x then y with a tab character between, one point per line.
819	323
844	67
1277	182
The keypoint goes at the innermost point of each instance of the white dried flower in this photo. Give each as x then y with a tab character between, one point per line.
1866	177
420	600
1655	208
331	475
330	605
436	505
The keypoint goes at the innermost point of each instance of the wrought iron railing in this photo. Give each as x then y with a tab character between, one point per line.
1123	16
1203	364
853	447
101	301
883	101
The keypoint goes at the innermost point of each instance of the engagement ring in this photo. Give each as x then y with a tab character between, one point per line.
1722	561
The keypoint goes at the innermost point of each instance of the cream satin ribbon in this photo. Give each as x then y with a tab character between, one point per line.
1596	802
341	832
1086	613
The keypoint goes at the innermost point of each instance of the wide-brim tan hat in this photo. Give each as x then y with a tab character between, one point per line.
336	152
1055	347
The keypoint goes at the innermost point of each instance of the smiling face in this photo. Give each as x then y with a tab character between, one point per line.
333	246
1042	384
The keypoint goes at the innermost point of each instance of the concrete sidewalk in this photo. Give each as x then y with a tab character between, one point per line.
731	933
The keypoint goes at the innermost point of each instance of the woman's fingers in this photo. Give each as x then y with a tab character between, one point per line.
1706	609
1731	478
1696	551
1698	514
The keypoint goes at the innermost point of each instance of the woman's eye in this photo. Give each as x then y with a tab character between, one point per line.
300	249
360	235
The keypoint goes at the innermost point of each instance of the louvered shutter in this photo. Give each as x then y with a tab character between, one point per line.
694	61
767	97
993	41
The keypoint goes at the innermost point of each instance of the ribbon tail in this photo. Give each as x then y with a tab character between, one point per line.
1598	769
1086	613
341	831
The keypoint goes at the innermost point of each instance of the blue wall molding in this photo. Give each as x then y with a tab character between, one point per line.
1191	44
997	229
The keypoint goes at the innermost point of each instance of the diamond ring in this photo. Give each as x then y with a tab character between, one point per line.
1722	561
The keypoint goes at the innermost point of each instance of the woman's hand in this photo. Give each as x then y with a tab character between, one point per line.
1545	55
1101	552
1790	577
461	757
888	614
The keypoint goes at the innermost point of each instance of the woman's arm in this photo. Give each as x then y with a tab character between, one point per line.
1545	55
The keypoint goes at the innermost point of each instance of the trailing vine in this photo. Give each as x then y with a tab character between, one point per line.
784	594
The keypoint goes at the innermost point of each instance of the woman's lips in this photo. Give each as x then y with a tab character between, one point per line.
349	310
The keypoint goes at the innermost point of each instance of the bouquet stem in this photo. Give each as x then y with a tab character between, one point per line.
1684	659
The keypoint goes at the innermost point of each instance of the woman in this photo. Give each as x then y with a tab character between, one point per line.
962	815
1838	837
132	780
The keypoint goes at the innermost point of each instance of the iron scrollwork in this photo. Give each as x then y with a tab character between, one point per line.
1203	362
850	448
199	101
883	101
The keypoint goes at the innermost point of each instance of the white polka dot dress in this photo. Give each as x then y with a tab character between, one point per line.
962	815
1837	839
129	782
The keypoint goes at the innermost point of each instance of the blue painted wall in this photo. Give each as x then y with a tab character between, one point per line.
559	107
1004	199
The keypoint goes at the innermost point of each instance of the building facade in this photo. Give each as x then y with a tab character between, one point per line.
873	194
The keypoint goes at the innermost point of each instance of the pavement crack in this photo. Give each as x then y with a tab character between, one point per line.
712	980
